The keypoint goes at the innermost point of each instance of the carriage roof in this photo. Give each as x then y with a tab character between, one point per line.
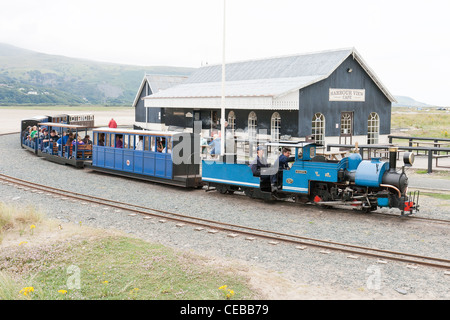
139	132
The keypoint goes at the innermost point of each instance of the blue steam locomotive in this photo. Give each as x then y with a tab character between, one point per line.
367	184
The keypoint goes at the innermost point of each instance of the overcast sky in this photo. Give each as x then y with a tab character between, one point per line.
406	43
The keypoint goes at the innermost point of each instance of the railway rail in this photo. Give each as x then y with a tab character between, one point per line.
234	230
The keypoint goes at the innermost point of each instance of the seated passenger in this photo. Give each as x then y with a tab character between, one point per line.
87	140
119	142
140	144
63	140
168	148
259	162
78	141
161	145
101	139
34	132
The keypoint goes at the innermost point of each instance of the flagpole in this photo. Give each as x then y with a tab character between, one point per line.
222	102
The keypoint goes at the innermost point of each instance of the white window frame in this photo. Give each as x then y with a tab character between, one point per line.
275	126
318	128
252	125
373	128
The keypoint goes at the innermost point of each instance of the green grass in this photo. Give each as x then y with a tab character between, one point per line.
121	268
433	123
93	264
441	196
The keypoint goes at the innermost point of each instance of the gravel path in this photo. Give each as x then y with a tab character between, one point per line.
304	274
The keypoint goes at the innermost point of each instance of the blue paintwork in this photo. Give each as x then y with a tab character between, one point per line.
370	172
383	202
149	163
229	173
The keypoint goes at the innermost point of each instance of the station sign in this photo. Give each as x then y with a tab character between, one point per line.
358	95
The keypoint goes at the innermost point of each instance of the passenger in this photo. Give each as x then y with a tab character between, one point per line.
169	147
54	136
52	139
259	162
112	123
161	145
215	145
34	132
140	143
68	144
119	141
78	141
45	139
87	140
101	139
203	144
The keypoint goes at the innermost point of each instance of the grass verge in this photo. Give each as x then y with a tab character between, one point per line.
82	263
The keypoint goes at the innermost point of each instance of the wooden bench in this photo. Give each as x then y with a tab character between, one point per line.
84	151
439	156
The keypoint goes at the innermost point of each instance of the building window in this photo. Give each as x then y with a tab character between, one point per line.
252	125
231	121
275	126
318	128
373	128
346	124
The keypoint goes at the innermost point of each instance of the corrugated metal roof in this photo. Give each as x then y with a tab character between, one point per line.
241	88
158	83
312	64
273	77
161	82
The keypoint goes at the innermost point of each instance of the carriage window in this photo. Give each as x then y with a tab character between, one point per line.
107	141
113	140
95	141
153	143
168	148
131	142
160	144
146	144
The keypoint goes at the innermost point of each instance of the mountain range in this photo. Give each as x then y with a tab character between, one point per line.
28	77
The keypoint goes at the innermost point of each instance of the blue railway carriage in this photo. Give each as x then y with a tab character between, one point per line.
74	148
351	181
26	127
165	157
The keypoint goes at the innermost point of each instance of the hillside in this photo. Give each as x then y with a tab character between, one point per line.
28	77
403	101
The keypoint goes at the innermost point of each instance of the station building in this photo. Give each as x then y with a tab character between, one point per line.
331	97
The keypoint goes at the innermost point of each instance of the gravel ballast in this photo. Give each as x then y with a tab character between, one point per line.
316	275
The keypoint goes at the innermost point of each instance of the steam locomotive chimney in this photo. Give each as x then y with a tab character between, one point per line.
393	158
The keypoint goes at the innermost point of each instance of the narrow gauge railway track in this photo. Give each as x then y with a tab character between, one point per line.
411	259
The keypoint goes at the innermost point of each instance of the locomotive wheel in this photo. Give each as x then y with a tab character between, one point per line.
222	189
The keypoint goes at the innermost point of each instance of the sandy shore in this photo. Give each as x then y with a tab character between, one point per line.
11	117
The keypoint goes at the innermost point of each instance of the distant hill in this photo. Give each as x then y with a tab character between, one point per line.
403	101
28	77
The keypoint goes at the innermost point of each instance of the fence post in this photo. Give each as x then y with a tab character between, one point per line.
430	161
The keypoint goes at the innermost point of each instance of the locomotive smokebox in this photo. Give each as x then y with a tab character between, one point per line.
408	159
393	158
